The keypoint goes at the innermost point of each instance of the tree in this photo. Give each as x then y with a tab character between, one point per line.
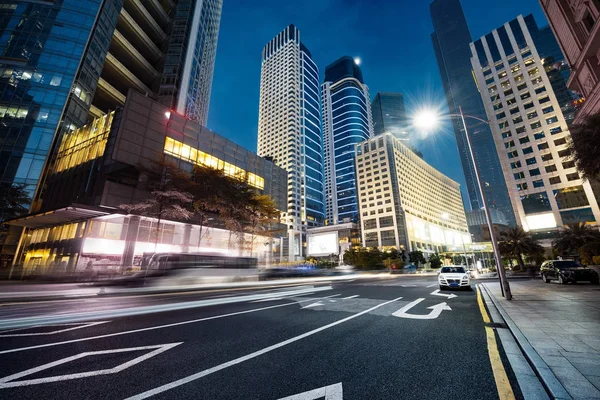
572	237
168	186
261	216
14	201
516	243
435	261
584	146
416	257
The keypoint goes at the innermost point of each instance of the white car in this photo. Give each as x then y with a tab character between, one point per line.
454	276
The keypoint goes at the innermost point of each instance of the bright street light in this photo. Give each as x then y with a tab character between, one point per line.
357	60
427	119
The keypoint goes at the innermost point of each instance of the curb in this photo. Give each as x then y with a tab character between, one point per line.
543	371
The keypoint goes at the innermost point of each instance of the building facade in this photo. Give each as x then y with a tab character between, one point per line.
97	171
346	121
575	26
389	115
451	38
289	130
530	131
65	63
405	203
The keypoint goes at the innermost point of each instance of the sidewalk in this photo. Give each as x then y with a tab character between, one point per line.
562	324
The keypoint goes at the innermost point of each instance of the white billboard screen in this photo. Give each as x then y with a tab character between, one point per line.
323	244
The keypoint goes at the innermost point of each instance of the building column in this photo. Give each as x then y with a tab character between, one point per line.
187	233
130	241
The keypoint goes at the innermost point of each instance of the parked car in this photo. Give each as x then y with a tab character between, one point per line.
567	271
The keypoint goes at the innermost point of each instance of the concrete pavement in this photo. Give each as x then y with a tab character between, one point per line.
562	325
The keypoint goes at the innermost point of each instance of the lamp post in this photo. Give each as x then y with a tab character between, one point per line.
429	119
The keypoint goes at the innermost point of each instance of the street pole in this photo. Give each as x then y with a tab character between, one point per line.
504	286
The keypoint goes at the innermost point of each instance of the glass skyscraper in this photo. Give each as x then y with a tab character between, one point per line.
389	115
347	121
451	38
289	130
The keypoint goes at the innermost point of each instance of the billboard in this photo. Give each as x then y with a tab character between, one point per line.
323	244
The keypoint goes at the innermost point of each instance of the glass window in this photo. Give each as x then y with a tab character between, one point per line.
571	217
547	157
506	134
525	96
508	92
386	221
532	115
573	177
524	140
560	141
528	106
543	146
534	172
527	150
544	100
513	154
571	197
556	130
538	184
531	161
370	223
552	120
536	125
541	89
519	175
522	186
554	180
501	115
539	135
515	165
517	120
514	110
551	168
536	203
522	86
568	164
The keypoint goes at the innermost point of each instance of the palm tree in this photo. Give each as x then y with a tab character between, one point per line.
584	146
516	243
572	237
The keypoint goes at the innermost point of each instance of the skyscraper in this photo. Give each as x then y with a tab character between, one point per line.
346	121
289	129
530	131
389	115
451	38
64	63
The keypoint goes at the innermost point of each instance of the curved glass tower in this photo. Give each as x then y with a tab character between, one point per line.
347	121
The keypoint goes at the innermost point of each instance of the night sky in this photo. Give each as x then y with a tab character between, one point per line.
392	39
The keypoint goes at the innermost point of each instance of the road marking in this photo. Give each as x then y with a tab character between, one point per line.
484	313
250	356
350	297
263	300
157	327
408	285
437	293
80	326
130	311
435	284
6	381
331	392
435	310
503	386
318	303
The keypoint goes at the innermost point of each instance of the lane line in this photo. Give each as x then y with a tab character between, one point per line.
156	327
80	325
503	386
435	284
350	297
250	356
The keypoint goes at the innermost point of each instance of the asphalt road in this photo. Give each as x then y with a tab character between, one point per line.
376	339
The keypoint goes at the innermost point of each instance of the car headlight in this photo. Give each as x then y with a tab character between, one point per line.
466	277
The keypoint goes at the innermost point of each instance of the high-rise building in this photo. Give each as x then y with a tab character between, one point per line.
65	63
530	131
346	122
289	130
451	38
405	203
575	25
389	115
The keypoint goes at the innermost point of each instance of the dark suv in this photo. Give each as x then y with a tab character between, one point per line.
566	271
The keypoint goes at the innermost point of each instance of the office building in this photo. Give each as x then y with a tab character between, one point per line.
97	170
289	130
405	203
574	24
451	38
389	115
346	121
479	228
64	63
530	131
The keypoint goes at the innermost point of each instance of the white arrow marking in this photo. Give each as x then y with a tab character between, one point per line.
350	297
318	303
437	293
435	310
6	381
331	392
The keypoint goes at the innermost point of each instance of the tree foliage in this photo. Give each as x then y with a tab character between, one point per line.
584	146
364	258
14	201
515	243
572	237
435	261
416	257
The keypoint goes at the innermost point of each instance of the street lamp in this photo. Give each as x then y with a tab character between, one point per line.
428	119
